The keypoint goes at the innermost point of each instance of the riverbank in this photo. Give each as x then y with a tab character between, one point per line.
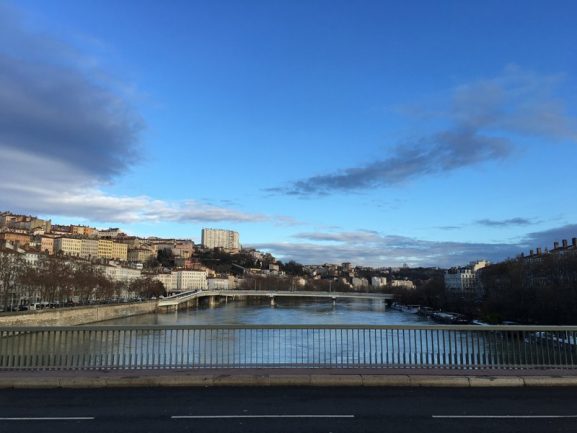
78	315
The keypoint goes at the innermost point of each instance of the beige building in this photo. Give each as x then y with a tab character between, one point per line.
89	249
47	244
15	237
82	230
105	248
110	233
68	246
139	254
119	251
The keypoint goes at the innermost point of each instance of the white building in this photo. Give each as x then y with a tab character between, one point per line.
378	281
68	246
190	280
181	281
405	284
217	238
464	279
360	283
168	280
218	284
118	273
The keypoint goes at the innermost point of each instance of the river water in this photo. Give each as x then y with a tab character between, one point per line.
251	340
285	312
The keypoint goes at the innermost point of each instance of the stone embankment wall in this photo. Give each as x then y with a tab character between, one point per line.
78	315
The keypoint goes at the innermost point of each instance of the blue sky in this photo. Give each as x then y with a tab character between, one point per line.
376	132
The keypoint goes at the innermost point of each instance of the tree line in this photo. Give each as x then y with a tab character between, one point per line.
55	280
537	290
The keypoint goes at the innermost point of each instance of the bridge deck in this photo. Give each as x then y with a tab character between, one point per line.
187	296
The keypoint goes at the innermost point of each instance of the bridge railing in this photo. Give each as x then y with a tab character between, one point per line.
298	346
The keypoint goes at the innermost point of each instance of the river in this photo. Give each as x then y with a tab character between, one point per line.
285	312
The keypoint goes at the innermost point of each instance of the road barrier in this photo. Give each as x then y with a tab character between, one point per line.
285	346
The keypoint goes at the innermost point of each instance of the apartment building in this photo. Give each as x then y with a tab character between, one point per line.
24	222
89	248
404	284
119	251
464	279
68	246
217	238
82	230
110	233
168	280
191	280
105	248
16	237
183	280
139	254
47	244
218	284
378	281
121	274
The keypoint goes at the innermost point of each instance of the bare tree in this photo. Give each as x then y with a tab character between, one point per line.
12	271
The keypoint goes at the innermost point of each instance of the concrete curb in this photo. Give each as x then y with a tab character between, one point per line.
267	380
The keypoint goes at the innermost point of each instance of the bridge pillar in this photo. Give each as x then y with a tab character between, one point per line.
212	301
272	302
334	301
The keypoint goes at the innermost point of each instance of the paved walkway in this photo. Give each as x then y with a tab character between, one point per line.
286	377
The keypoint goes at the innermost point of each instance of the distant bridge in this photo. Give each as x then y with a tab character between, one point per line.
187	299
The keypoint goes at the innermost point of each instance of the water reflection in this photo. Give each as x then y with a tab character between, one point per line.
285	312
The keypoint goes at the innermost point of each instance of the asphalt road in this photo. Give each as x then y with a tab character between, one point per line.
271	410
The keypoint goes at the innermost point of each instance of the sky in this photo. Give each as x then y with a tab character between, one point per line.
380	133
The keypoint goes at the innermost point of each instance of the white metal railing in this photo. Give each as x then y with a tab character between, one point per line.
297	346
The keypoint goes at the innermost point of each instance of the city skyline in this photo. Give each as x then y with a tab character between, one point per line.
378	134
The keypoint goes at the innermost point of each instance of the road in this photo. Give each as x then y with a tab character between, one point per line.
277	410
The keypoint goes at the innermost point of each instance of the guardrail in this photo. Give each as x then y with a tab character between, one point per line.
298	346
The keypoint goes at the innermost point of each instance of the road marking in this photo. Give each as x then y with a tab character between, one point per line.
504	416
257	416
50	418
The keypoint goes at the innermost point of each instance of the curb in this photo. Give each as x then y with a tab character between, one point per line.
271	380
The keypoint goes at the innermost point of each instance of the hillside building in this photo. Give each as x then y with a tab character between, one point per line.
228	240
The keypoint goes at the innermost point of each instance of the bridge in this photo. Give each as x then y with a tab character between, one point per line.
191	298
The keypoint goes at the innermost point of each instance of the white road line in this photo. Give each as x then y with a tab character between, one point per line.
504	416
257	416
50	418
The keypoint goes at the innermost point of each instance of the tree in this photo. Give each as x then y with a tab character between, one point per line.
147	287
292	268
166	258
12	272
151	263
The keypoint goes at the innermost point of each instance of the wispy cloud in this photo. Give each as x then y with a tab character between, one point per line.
386	250
360	236
482	120
367	247
518	221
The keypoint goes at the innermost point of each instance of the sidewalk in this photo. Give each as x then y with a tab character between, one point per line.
286	377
